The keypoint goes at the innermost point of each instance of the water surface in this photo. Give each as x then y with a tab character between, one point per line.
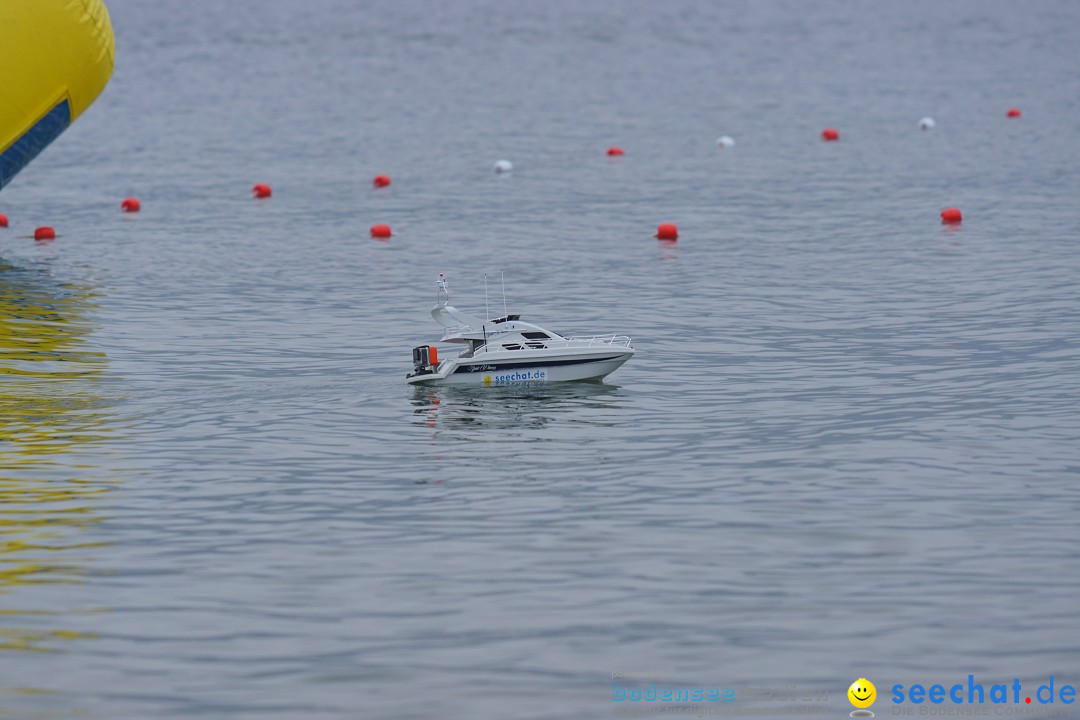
847	446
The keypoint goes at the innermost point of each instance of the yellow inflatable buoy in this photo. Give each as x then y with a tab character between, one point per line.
56	56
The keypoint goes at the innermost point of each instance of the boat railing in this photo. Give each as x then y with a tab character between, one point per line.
614	340
450	331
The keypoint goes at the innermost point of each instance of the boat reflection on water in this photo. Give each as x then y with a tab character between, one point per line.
516	407
52	417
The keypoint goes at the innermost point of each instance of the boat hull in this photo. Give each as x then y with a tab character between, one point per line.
511	372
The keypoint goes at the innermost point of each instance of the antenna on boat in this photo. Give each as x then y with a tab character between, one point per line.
487	313
442	294
502	274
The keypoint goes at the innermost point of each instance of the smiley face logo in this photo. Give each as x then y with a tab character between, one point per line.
862	693
487	379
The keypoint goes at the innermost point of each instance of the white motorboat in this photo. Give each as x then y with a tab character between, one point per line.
507	351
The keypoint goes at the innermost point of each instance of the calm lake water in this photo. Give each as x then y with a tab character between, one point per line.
848	445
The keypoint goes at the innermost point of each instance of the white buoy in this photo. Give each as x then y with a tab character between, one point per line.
725	141
503	166
926	123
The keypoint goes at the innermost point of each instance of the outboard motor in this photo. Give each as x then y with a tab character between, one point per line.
425	359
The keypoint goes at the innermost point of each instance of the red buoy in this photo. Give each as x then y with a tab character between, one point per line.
3	220
381	181
380	231
262	190
667	231
615	151
830	134
131	205
1013	112
44	233
951	215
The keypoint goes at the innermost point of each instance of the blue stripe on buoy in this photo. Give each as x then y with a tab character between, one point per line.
33	141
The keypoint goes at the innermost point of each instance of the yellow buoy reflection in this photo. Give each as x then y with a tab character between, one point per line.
52	416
